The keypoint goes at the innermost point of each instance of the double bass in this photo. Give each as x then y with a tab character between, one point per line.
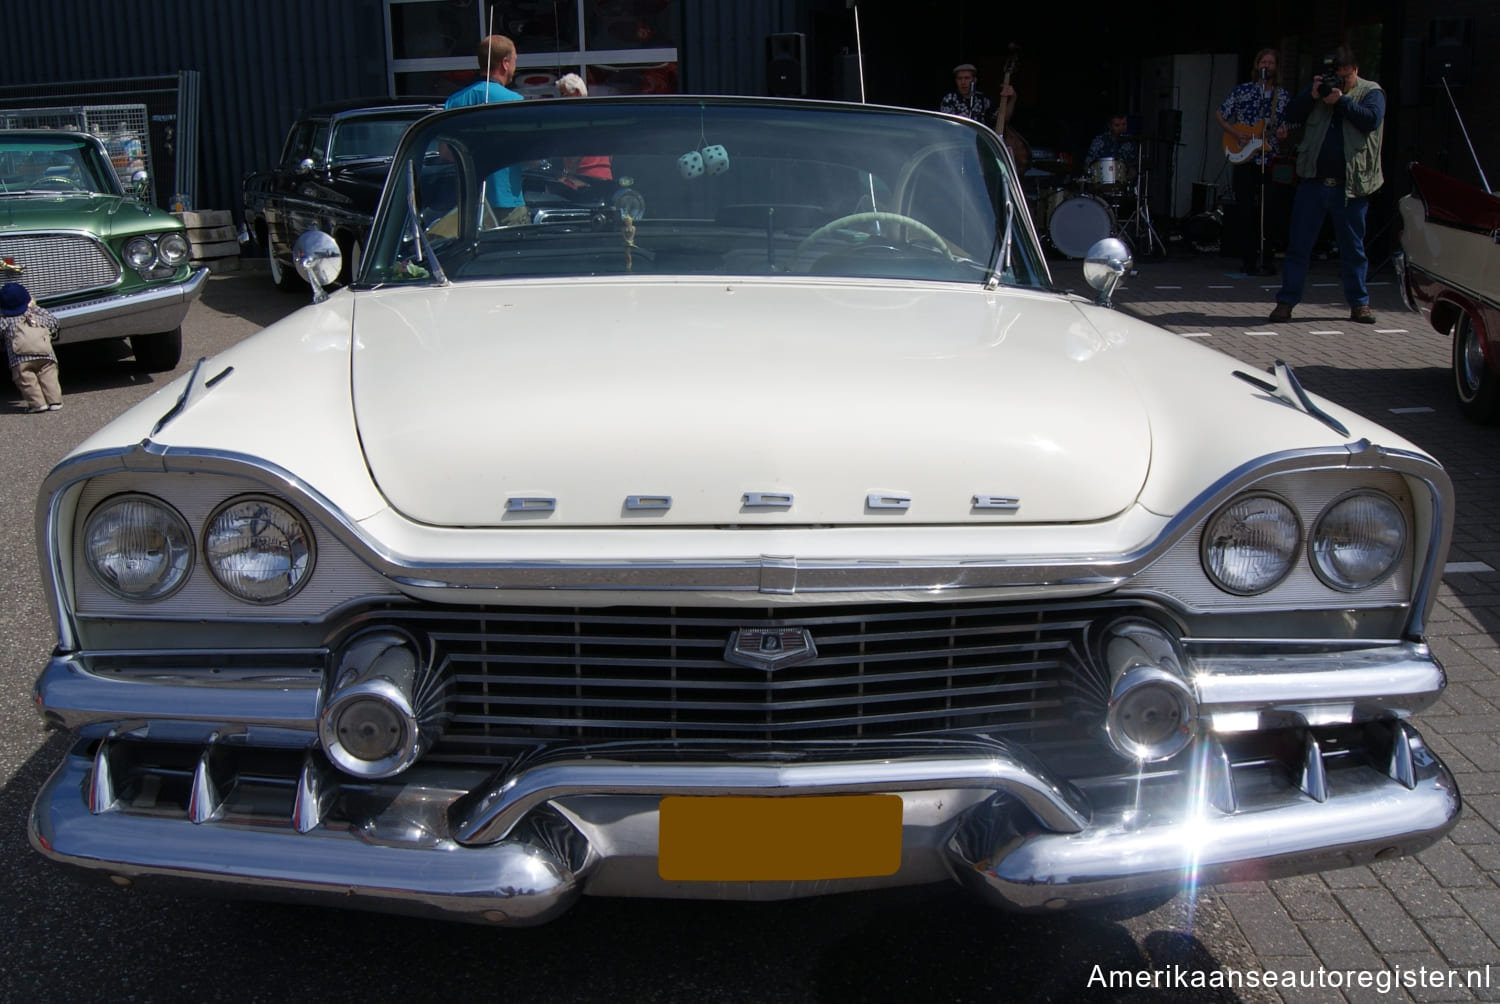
1020	150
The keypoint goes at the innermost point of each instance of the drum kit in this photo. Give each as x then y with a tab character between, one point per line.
1074	211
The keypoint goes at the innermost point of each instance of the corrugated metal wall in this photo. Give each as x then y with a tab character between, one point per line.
260	60
263	60
723	47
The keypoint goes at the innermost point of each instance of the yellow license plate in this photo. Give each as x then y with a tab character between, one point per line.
787	838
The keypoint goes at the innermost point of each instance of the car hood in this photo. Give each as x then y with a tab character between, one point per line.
105	215
849	399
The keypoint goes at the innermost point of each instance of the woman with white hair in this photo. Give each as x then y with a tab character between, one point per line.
581	171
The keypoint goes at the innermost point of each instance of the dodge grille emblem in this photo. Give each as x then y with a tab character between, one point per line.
770	648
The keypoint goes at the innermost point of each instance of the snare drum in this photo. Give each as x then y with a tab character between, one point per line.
1105	171
1078	223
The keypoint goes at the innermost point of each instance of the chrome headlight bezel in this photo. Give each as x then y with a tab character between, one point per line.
1288	527
300	547
174	532
140	253
1319	547
173	249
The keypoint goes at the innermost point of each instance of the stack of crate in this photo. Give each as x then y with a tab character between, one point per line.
211	233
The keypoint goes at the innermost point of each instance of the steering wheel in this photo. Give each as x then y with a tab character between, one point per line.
854	219
60	184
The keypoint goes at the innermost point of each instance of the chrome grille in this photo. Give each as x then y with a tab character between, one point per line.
527	675
60	264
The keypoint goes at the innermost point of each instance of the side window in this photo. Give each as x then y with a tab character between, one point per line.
318	144
296	145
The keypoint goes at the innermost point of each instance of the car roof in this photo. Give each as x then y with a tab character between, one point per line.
46	133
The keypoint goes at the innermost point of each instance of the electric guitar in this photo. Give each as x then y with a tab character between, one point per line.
1244	141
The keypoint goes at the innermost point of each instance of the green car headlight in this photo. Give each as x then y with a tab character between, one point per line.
140	252
173	249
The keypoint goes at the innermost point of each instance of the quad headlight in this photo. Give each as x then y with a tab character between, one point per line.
140	252
1250	544
137	547
1357	541
257	549
173	249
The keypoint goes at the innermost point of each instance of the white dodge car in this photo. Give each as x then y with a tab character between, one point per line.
751	518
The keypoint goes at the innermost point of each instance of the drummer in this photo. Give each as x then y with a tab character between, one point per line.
1114	145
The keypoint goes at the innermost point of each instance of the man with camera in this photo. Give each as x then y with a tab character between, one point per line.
1338	167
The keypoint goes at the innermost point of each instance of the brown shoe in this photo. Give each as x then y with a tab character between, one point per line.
1283	312
1362	314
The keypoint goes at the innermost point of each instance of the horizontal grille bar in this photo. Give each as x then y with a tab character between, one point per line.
60	264
523	676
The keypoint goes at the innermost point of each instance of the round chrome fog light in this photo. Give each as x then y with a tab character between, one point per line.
1152	708
386	707
1150	714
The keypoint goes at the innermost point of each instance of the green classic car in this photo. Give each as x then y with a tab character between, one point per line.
106	263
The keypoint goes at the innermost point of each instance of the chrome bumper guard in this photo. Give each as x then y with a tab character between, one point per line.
160	308
518	847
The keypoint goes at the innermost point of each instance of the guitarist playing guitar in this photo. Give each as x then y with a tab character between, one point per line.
1253	118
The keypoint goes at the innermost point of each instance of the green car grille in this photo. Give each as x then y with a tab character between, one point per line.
60	264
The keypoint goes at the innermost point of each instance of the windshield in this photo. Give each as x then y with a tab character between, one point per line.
53	165
370	137
699	186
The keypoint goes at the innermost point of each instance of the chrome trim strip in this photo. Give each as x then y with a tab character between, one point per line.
1472	294
81	701
484	817
1400	679
160	308
747	574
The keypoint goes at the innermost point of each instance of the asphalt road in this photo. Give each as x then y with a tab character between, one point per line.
68	936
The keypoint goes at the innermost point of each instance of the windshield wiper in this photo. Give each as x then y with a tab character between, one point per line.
1000	253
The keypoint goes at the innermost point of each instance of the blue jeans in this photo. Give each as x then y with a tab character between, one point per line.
1313	201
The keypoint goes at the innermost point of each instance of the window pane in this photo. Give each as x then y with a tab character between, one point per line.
631	24
538	25
434	30
652	78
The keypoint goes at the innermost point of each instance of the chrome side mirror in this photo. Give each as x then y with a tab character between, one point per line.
319	261
140	183
306	166
1105	265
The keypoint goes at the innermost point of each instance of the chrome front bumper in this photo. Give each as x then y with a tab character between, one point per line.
519	846
148	312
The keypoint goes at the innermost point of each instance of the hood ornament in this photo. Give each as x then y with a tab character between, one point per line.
770	648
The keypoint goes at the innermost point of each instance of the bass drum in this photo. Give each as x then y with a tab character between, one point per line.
1078	223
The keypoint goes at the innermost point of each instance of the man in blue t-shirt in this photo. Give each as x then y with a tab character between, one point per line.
497	59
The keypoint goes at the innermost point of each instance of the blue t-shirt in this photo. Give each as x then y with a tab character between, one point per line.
504	186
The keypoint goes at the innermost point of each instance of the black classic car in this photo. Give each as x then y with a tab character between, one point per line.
329	177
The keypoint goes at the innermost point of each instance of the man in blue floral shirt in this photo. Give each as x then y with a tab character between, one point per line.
1251	118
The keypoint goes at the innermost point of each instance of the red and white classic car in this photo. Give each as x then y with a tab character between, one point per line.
1451	267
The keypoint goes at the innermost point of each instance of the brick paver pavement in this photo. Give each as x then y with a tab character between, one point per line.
1441	909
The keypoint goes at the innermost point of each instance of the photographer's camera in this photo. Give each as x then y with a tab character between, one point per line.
1330	80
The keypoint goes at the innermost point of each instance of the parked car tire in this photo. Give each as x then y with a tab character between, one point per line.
286	280
1474	383
157	353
